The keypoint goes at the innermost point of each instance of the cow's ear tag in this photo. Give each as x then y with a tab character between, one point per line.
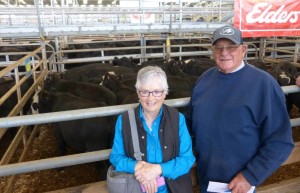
28	67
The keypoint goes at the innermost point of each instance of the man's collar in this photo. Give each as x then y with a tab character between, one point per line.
239	67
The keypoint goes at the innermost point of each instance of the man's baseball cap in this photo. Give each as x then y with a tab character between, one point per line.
228	32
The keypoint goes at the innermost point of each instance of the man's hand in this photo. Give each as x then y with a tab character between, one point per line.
239	184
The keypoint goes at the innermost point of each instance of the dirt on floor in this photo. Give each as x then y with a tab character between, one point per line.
44	146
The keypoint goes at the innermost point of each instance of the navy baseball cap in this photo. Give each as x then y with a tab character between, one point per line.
228	32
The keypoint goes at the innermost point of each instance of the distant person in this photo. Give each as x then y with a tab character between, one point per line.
238	116
164	139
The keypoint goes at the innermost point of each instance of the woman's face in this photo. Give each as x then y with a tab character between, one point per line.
150	103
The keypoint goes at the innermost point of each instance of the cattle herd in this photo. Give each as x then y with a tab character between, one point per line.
109	84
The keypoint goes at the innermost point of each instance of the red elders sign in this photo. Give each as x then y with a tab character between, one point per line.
261	18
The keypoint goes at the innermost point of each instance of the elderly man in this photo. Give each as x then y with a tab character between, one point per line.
238	116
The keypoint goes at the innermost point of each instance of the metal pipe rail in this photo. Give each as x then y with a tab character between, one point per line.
17	22
101	111
138	55
16	88
111	29
69	160
275	50
275	61
251	54
37	165
51	163
77	114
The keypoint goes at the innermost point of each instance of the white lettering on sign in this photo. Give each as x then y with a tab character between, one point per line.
262	13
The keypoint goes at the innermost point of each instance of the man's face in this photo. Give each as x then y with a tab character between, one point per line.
228	56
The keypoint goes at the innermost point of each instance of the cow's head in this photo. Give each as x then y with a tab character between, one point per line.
50	81
44	98
35	101
111	81
285	73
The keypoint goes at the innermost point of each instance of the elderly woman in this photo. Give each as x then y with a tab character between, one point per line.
165	142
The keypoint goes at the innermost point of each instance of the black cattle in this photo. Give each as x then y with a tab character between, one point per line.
124	61
170	66
125	95
84	90
4	82
128	80
187	42
285	74
120	44
196	66
175	68
9	49
86	72
80	135
154	62
157	46
158	43
7	106
79	54
293	99
92	72
180	85
98	52
19	48
258	63
11	102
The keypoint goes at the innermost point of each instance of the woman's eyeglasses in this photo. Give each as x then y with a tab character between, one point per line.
155	93
219	49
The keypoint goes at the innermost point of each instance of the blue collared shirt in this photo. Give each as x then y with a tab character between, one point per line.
170	169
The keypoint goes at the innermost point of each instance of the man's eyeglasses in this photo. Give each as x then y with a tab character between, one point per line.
219	49
155	93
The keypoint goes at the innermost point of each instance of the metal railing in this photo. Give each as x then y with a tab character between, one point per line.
69	160
55	21
58	59
275	50
25	120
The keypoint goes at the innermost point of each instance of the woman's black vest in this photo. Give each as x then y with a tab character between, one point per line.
169	141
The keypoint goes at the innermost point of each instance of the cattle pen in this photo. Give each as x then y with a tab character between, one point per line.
41	38
50	163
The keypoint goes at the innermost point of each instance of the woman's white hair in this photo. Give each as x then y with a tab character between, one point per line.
148	73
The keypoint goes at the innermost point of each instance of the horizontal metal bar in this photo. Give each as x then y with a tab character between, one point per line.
76	114
98	29
290	89
56	21
50	163
93	112
76	159
295	122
